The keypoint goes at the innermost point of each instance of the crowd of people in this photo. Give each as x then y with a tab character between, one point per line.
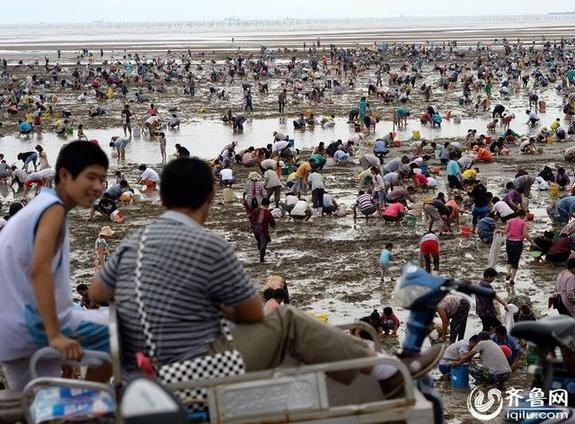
189	271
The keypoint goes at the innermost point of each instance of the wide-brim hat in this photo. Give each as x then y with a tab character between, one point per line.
106	231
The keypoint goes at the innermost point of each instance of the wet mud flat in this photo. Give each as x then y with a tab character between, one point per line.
331	264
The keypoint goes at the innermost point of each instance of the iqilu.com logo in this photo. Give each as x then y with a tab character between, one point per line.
535	405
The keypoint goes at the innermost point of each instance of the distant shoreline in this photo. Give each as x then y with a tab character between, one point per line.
145	40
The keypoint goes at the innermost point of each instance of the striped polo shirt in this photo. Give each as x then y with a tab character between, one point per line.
187	273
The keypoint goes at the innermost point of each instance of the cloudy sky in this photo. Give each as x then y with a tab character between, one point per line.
34	11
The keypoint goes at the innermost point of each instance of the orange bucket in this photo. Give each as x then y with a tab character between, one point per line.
466	231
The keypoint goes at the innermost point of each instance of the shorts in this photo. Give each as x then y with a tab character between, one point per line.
454	182
444	368
28	182
89	327
429	247
370	210
389	218
479	212
514	248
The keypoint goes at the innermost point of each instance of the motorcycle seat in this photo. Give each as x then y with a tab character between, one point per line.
540	332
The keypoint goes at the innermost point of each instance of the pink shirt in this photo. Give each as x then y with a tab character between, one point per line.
565	287
394	209
515	229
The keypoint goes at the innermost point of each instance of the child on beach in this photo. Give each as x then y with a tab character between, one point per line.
35	272
389	322
385	259
162	141
429	248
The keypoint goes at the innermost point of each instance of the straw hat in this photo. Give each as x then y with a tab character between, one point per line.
106	231
254	176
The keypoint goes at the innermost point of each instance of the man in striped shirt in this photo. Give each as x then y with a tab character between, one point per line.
365	203
191	278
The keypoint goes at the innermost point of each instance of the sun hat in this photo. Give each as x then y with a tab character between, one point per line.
106	231
253	175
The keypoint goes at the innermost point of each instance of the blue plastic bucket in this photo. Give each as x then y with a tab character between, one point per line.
460	376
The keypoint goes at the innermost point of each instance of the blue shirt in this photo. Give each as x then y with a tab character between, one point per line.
25	126
566	205
453	168
511	342
380	146
385	257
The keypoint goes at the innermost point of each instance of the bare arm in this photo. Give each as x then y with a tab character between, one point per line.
444	322
100	292
46	243
249	311
526	234
465	358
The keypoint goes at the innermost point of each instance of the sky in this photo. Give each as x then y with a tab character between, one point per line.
50	11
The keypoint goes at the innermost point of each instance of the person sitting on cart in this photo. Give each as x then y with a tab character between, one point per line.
191	279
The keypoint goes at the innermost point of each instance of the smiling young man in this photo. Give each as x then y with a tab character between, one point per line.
35	271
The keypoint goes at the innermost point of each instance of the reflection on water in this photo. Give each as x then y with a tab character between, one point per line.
206	138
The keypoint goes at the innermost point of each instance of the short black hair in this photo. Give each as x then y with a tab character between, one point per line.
186	182
489	273
77	156
268	294
280	295
484	335
387	310
265	201
80	287
474	339
388	245
571	263
500	330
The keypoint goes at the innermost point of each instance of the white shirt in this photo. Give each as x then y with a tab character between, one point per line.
328	200
502	208
316	180
152	119
378	183
291	200
455	351
271	179
150	174
299	208
279	146
227	174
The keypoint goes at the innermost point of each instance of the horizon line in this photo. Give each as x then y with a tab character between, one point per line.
286	18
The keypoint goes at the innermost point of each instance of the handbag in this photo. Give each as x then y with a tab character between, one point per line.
228	363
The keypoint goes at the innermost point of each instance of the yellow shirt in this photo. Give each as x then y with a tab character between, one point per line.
303	170
469	174
291	176
555	124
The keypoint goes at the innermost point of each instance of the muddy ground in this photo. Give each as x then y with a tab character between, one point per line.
331	264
